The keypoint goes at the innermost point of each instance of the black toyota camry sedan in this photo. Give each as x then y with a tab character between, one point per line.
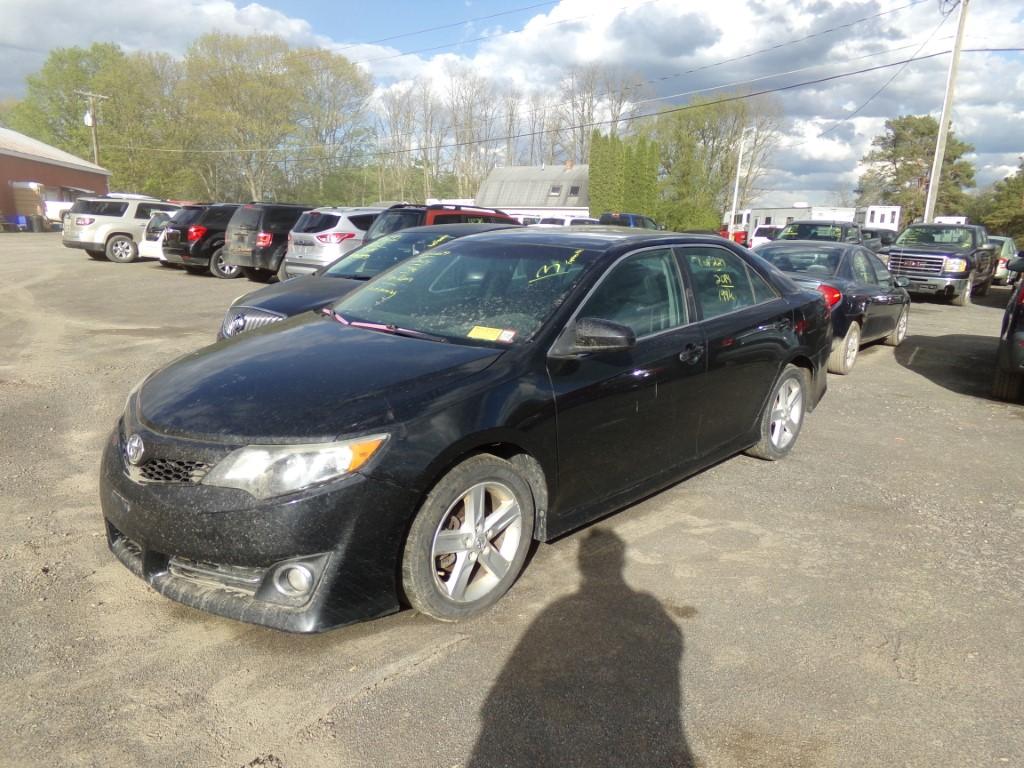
302	294
867	302
493	391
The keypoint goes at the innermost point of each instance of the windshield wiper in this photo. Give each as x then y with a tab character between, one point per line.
383	327
352	277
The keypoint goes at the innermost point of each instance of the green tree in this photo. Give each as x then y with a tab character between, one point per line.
900	163
1006	214
623	174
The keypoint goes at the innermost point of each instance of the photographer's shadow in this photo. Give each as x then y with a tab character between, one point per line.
595	681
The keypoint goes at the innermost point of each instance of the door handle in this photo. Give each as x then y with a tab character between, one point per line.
780	325
691	353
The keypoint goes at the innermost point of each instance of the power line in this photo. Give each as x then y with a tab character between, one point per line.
839	121
599	123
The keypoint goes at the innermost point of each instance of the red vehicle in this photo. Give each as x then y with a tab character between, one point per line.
404	215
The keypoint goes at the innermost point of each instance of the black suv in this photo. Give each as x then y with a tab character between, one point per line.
195	239
257	238
405	215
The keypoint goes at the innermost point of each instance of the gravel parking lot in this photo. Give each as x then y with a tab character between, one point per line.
857	604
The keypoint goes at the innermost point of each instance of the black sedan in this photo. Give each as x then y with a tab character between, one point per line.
1009	381
497	390
867	302
327	285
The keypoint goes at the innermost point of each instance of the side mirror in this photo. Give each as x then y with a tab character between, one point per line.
901	281
592	334
1017	265
989	247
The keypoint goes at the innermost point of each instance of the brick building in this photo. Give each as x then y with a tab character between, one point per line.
56	175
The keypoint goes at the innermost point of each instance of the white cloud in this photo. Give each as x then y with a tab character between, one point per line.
658	39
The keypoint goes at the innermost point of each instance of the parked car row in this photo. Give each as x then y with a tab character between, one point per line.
458	392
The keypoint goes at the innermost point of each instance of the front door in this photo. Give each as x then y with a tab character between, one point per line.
625	417
867	292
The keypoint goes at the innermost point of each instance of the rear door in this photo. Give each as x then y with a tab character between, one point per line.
240	237
747	325
868	293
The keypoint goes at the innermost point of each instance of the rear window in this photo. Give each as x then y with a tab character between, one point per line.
315	221
218	216
619	219
392	221
281	219
822	262
100	207
808	231
246	217
185	216
145	210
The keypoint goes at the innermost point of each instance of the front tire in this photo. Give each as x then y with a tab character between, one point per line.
899	333
122	249
964	299
218	268
469	540
844	355
1007	385
783	416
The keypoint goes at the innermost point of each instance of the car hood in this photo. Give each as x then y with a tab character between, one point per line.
299	294
309	378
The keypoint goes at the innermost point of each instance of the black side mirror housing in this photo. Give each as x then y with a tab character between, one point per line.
1017	265
592	334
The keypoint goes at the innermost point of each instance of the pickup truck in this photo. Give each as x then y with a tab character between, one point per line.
954	261
834	231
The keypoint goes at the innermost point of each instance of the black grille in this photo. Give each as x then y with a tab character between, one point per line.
171	471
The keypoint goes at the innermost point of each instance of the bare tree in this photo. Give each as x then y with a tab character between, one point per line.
475	111
511	100
395	135
580	95
431	127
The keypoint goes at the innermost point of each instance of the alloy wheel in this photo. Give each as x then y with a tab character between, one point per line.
476	541
787	413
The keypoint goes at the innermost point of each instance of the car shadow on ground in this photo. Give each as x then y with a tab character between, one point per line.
961	363
594	681
996	298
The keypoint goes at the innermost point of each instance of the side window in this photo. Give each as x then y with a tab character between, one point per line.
144	210
884	278
853	235
642	292
860	266
722	281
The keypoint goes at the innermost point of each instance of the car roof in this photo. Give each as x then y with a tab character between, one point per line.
345	210
460	229
833	222
598	237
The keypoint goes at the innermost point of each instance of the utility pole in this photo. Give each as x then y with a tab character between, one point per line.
736	187
93	120
944	121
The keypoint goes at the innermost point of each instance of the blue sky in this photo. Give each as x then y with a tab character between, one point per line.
651	40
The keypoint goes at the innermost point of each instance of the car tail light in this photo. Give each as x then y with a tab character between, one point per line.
832	295
83	221
333	238
195	232
263	239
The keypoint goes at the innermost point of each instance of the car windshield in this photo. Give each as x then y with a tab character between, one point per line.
383	253
960	238
809	231
822	262
472	292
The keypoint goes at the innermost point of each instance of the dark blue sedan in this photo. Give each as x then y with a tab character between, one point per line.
867	302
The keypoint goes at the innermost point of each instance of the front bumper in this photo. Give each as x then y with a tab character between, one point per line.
174	535
949	286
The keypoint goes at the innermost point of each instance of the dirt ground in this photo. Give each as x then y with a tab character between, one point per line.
858	604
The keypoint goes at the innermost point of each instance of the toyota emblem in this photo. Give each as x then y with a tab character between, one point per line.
237	325
133	450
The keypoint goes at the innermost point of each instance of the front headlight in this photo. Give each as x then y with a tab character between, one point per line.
273	470
954	265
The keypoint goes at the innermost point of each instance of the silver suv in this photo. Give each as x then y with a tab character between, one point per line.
111	227
324	235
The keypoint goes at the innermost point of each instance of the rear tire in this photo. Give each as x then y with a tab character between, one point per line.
122	249
844	354
964	299
257	275
1007	385
899	333
469	540
98	255
224	271
783	416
